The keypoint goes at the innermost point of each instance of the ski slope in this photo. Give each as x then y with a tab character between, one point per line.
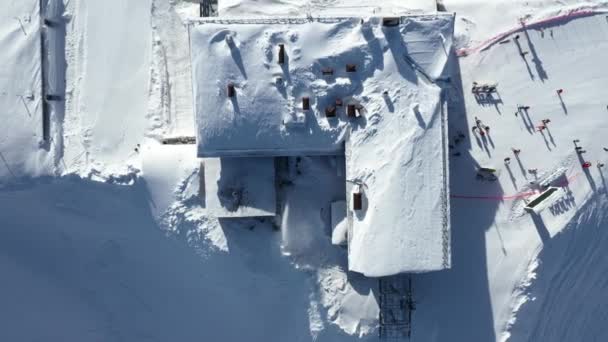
22	151
493	240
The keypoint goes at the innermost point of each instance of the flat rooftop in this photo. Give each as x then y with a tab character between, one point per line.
395	145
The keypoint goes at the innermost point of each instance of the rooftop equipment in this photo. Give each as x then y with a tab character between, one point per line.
351	67
351	111
357	200
281	53
231	90
330	111
327	71
305	103
390	21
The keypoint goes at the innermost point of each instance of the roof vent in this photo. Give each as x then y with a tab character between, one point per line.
330	111
390	21
281	53
351	67
305	103
357	201
327	71
351	111
231	90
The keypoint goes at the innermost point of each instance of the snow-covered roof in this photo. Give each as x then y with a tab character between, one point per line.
395	149
239	187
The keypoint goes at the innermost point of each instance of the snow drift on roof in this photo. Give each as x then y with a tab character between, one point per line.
395	143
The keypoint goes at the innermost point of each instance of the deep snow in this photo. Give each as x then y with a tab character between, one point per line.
82	258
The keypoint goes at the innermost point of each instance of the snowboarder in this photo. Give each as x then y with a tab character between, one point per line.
586	165
507	160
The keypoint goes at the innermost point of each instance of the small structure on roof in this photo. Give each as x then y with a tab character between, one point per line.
281	53
231	92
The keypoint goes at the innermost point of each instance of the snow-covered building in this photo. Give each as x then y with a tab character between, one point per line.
366	88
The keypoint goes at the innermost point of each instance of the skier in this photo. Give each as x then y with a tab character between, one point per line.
586	165
477	121
507	160
475	128
578	148
581	151
546	121
532	171
600	165
560	91
487	128
515	151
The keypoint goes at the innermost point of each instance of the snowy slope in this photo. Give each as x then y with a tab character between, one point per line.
108	81
566	299
21	148
84	259
493	240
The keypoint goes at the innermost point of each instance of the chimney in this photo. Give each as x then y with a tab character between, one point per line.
330	111
305	103
231	90
327	71
351	67
350	111
281	53
357	201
